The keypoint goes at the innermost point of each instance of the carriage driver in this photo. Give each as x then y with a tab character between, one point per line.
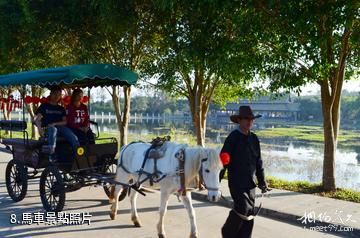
50	118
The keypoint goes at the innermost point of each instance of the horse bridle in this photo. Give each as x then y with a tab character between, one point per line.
202	181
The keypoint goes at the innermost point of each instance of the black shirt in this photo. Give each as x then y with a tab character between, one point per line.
245	160
50	113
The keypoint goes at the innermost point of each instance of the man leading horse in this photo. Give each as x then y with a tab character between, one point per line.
241	155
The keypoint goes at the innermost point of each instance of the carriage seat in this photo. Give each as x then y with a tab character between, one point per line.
13	125
29	144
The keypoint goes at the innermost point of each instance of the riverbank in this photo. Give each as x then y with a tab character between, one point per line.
310	134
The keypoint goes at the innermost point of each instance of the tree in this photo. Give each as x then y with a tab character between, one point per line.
29	41
310	108
312	41
207	51
126	32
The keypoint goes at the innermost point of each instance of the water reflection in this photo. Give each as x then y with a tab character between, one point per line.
290	160
305	163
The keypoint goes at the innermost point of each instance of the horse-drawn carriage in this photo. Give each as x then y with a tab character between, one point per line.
173	166
90	164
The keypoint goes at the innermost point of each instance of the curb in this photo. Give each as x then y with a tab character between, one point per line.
281	216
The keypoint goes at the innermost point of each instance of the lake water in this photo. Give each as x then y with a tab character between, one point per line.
284	159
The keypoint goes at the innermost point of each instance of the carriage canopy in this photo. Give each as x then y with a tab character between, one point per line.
86	75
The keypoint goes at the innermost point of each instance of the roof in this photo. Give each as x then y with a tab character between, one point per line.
86	75
267	103
274	107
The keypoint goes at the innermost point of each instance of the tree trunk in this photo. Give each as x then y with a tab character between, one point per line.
199	129
6	112
34	131
126	116
330	139
32	109
198	115
7	116
122	119
116	102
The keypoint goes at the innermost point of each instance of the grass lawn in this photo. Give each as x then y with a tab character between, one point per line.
316	189
312	134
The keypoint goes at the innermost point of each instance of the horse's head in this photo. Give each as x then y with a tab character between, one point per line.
210	168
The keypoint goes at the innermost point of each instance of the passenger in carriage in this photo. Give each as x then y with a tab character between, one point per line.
50	118
77	116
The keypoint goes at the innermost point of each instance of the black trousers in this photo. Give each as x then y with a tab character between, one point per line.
244	203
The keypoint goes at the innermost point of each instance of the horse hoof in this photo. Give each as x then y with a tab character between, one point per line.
161	236
194	236
137	224
112	216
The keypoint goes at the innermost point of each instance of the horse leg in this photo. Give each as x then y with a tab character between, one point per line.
162	210
134	215
115	190
112	194
191	212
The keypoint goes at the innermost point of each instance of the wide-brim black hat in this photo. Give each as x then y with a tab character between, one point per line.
244	112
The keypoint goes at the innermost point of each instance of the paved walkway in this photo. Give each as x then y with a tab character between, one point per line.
330	215
210	217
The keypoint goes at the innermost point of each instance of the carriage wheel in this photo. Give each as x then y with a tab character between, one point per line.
111	169
52	189
16	180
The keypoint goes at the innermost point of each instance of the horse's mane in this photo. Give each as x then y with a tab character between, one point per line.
213	157
211	154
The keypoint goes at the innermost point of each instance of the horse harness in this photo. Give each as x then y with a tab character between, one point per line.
155	152
180	155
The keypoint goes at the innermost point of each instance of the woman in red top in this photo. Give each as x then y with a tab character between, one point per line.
77	117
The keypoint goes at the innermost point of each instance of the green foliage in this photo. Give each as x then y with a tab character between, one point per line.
206	46
303	40
350	110
310	109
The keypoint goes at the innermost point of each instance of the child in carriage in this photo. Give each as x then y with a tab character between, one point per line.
77	116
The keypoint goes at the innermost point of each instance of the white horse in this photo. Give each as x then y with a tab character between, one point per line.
197	160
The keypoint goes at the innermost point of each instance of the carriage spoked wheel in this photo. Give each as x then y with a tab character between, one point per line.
52	189
110	169
16	180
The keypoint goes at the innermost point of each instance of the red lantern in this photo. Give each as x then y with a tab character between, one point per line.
85	99
66	100
28	99
44	100
36	100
